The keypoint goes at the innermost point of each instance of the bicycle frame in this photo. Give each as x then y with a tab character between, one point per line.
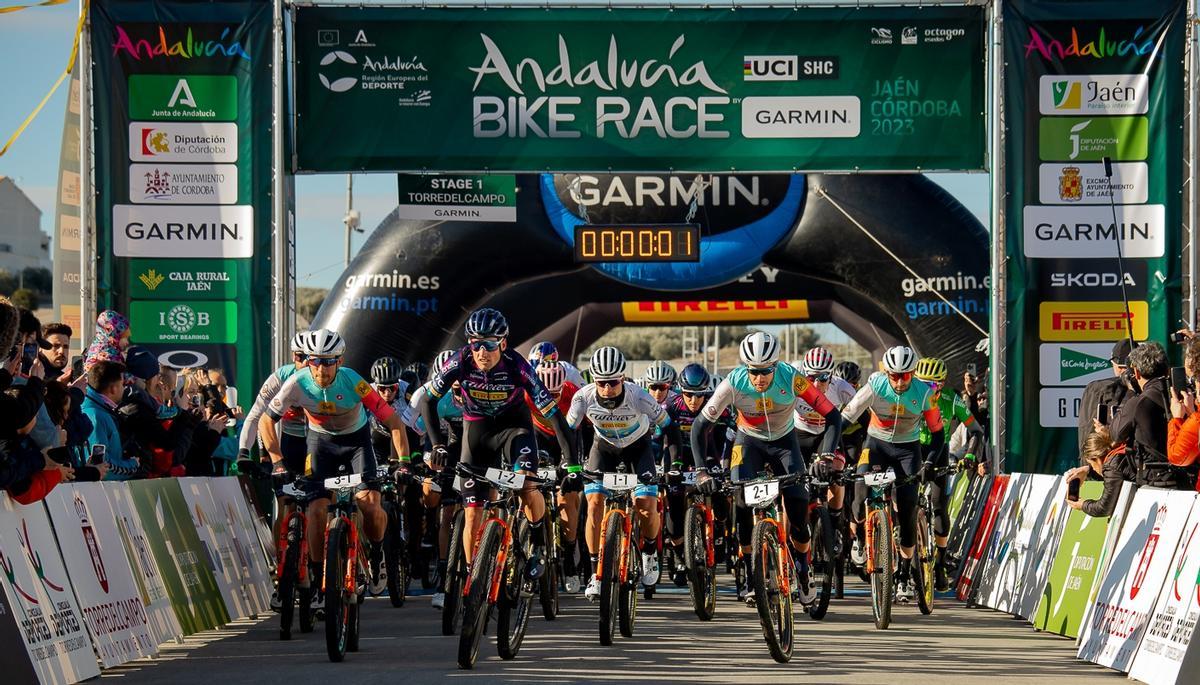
344	508
618	505
281	545
502	511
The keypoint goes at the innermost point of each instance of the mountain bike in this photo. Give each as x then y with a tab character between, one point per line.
620	564
395	543
883	545
924	571
292	563
345	561
822	559
772	570
699	546
548	594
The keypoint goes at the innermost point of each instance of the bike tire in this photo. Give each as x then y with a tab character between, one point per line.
548	589
821	563
515	605
337	616
354	611
289	578
610	580
923	572
702	578
476	607
456	577
429	555
883	586
395	555
627	607
773	604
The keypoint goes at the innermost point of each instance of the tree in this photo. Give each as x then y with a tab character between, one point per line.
309	300
24	297
8	283
39	279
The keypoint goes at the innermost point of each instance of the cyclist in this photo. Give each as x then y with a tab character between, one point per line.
658	381
385	378
898	406
621	415
954	411
818	368
339	439
497	427
764	393
546	353
553	376
695	385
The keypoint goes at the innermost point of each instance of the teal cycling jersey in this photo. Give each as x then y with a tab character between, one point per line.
766	415
895	417
292	422
336	409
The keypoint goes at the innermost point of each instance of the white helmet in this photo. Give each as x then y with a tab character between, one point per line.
440	360
607	364
759	349
552	376
659	372
899	359
818	360
325	343
299	342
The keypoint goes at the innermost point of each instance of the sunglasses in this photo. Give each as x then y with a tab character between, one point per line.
820	377
900	376
692	395
659	386
762	372
324	361
609	384
388	387
489	345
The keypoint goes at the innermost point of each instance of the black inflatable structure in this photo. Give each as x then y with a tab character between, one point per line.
766	241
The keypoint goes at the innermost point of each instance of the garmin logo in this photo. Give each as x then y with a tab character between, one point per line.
672	191
183	231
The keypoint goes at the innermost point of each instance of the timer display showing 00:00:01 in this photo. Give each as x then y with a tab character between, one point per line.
670	243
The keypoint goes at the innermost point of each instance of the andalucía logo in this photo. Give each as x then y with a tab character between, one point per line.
1101	46
177	41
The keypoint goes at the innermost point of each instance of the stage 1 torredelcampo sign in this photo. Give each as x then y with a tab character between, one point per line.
457	198
633	89
173	321
166	279
183	231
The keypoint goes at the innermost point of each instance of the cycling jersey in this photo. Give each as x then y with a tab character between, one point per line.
954	411
292	422
564	405
809	420
684	418
449	412
492	393
336	409
381	435
622	425
767	415
895	417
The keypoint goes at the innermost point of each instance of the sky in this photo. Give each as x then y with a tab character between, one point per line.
34	48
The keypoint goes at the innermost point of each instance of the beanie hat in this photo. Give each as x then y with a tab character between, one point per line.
141	362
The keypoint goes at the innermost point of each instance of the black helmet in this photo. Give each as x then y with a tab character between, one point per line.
421	369
486	323
409	378
385	371
695	379
849	372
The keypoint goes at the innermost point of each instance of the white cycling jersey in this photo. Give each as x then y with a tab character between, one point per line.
622	425
839	393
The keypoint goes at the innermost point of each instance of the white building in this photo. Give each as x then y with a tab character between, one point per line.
22	242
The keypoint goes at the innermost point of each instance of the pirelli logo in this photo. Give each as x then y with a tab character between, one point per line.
706	311
1099	321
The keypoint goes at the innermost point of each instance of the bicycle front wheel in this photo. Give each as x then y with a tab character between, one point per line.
395	555
610	578
337	598
702	578
456	577
768	578
516	599
289	577
822	560
923	568
549	581
883	578
476	607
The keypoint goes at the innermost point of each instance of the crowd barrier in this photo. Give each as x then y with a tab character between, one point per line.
103	573
1125	587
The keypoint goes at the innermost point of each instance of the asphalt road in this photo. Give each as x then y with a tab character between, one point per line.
956	644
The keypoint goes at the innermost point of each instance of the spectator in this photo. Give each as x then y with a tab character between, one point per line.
1183	431
29	365
25	473
106	386
1142	421
110	340
1108	391
57	357
63	406
150	430
1110	461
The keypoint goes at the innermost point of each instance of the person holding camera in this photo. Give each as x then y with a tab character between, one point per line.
1105	459
1183	431
1142	420
1109	392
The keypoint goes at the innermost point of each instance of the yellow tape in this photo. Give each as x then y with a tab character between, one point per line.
18	8
67	72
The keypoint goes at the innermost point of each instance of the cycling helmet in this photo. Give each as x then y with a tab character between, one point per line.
695	379
931	369
818	360
759	349
409	378
607	364
543	353
325	343
440	360
659	372
421	369
716	380
849	372
299	342
899	359
385	371
486	323
552	376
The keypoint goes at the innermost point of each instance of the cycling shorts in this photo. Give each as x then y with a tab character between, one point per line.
493	442
638	458
751	456
330	456
294	449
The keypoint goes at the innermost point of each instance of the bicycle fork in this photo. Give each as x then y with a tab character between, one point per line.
784	557
626	529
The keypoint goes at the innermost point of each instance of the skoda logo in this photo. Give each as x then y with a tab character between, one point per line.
181	318
338	85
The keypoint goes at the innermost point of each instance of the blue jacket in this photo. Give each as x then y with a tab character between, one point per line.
104	432
45	433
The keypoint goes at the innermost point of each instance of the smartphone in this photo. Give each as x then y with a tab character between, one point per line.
972	370
1073	490
230	397
1102	414
197	399
1179	379
77	367
98	452
28	356
1178	337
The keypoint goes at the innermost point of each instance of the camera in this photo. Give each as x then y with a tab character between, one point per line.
1178	337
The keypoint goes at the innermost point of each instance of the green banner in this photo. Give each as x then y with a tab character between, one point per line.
182	117
530	90
457	197
181	557
1083	82
1075	570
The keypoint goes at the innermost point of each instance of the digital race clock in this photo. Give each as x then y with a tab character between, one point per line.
637	243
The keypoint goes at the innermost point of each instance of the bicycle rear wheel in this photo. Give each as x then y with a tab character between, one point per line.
773	603
456	577
289	577
610	579
822	560
337	599
395	555
923	568
627	609
702	578
882	580
476	607
515	603
549	581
